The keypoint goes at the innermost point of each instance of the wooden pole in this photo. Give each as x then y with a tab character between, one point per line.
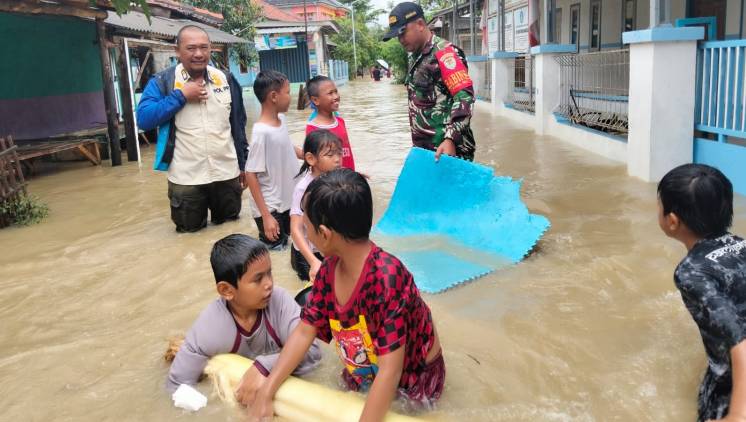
112	121
127	112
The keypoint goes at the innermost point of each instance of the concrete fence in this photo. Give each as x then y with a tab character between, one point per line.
633	106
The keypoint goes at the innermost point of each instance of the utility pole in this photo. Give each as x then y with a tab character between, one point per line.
472	29
354	45
454	27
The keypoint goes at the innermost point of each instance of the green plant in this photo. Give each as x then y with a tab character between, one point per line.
367	44
239	17
23	210
397	58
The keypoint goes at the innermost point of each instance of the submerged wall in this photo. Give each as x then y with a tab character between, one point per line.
51	76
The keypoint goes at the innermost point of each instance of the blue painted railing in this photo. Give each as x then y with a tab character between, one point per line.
721	103
721	108
339	71
709	22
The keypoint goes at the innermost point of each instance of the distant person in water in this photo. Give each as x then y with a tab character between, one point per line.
376	74
695	207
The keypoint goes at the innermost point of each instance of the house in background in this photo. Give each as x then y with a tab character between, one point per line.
317	10
94	63
283	46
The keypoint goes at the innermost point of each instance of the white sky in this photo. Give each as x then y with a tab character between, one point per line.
383	18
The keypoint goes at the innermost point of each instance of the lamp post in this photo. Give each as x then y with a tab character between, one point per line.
354	46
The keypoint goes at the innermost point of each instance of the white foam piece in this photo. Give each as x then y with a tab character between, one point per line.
186	397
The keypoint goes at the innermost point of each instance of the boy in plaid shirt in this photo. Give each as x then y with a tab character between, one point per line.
364	299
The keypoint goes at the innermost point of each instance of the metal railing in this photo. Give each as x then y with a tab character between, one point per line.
522	96
594	90
339	71
721	85
482	69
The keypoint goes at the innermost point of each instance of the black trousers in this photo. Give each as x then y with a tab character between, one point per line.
283	219
300	264
189	203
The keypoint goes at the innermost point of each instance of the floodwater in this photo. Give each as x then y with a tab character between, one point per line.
588	328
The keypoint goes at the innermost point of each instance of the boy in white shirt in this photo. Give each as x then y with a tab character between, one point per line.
272	161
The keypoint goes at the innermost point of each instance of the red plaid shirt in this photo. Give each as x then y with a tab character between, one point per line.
386	295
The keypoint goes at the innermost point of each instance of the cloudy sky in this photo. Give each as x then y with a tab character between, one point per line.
383	18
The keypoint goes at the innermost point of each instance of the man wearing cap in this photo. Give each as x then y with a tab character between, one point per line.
440	90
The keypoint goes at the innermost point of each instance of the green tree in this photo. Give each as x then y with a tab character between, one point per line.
363	10
366	41
239	17
123	6
397	58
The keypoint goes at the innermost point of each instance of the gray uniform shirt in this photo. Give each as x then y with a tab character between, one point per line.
215	331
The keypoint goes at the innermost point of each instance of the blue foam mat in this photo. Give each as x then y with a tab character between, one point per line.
469	206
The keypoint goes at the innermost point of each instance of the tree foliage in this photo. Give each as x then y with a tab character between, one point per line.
364	10
433	5
367	43
123	6
239	17
397	58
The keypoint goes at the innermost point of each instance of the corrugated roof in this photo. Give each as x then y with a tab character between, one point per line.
165	27
195	13
287	30
287	3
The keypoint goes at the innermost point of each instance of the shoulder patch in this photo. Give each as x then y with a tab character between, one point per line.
452	69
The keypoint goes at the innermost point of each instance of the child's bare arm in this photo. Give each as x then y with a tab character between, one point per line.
292	354
271	227
384	386
299	241
737	410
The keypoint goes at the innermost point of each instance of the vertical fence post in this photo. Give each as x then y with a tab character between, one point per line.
547	81
661	89
502	80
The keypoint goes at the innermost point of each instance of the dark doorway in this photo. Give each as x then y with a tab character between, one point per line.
705	8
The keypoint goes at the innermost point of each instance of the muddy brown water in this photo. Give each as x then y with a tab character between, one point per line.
587	328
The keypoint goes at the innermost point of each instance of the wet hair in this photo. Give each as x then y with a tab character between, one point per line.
232	255
317	142
190	28
340	200
314	84
267	81
701	196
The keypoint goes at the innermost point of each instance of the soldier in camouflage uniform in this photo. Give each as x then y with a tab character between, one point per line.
440	91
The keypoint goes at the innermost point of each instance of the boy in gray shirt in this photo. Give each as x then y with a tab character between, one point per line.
251	318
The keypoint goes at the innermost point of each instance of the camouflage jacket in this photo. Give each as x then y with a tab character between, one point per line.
441	97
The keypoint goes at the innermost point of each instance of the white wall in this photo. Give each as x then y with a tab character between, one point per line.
732	16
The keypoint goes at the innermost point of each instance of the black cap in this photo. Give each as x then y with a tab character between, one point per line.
401	15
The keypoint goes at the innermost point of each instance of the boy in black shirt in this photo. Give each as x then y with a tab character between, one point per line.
695	207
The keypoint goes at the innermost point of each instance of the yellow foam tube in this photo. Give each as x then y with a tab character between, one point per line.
296	400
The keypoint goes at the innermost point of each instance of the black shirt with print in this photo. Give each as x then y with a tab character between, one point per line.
712	282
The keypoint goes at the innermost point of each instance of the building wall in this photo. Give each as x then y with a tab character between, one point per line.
51	76
246	76
732	18
611	20
319	12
